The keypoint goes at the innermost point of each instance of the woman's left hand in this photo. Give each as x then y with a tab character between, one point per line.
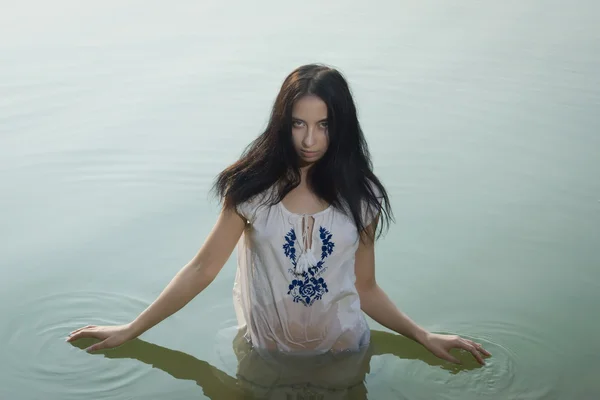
440	346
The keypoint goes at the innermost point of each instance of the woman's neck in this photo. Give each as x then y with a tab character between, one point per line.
304	173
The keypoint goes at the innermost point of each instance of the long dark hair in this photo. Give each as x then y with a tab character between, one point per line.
343	177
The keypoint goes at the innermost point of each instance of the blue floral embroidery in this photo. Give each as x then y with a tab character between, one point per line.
288	247
327	247
308	287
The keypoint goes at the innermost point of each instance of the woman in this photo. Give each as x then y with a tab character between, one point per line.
303	206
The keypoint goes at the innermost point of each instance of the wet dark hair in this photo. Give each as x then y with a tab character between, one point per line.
343	177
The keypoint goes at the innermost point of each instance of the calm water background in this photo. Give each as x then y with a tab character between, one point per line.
482	118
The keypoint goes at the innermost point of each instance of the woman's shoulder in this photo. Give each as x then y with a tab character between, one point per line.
371	205
251	207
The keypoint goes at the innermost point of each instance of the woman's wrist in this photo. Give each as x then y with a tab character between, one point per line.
133	330
421	335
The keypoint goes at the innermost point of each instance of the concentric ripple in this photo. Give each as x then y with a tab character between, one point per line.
521	367
38	351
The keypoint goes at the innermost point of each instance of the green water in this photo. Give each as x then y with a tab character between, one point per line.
482	119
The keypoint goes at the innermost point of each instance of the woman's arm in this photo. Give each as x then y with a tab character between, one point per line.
377	305
374	302
192	279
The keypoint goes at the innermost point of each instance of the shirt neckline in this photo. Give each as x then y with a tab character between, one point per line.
280	204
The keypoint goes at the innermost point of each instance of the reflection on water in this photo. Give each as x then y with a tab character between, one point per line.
392	363
217	384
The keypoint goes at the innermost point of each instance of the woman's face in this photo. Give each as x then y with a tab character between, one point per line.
309	129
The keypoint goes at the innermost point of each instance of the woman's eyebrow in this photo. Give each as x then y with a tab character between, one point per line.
301	120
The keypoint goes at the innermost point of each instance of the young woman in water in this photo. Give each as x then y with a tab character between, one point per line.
303	206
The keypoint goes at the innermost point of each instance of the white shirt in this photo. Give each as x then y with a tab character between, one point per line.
292	299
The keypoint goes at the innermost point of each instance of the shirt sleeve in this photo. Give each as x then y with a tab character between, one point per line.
369	211
251	207
246	210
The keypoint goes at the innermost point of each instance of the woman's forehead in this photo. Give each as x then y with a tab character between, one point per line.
311	107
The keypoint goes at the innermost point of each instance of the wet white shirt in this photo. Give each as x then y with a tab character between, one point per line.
294	289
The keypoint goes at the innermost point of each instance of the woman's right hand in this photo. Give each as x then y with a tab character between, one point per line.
110	336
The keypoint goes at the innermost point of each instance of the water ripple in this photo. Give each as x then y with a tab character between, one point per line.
36	336
522	366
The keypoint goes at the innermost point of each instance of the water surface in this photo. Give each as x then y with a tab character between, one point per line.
483	124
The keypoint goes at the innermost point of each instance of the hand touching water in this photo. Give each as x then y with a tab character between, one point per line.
110	336
440	346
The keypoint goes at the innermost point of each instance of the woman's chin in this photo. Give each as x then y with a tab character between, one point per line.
306	162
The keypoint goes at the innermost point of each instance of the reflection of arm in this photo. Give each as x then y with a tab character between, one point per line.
400	346
407	349
215	383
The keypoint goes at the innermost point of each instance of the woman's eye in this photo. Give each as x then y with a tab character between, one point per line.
324	125
297	123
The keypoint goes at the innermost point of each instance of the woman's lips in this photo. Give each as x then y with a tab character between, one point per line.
309	153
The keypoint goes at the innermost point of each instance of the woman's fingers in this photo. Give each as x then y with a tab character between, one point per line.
440	345
77	335
473	350
84	333
481	349
443	353
84	327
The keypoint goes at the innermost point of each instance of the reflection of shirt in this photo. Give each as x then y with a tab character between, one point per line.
328	376
291	297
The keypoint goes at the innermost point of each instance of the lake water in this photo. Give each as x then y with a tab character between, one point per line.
483	122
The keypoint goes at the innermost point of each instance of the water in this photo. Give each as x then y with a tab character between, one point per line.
482	120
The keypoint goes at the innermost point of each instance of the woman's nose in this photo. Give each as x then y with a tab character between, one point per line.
309	138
